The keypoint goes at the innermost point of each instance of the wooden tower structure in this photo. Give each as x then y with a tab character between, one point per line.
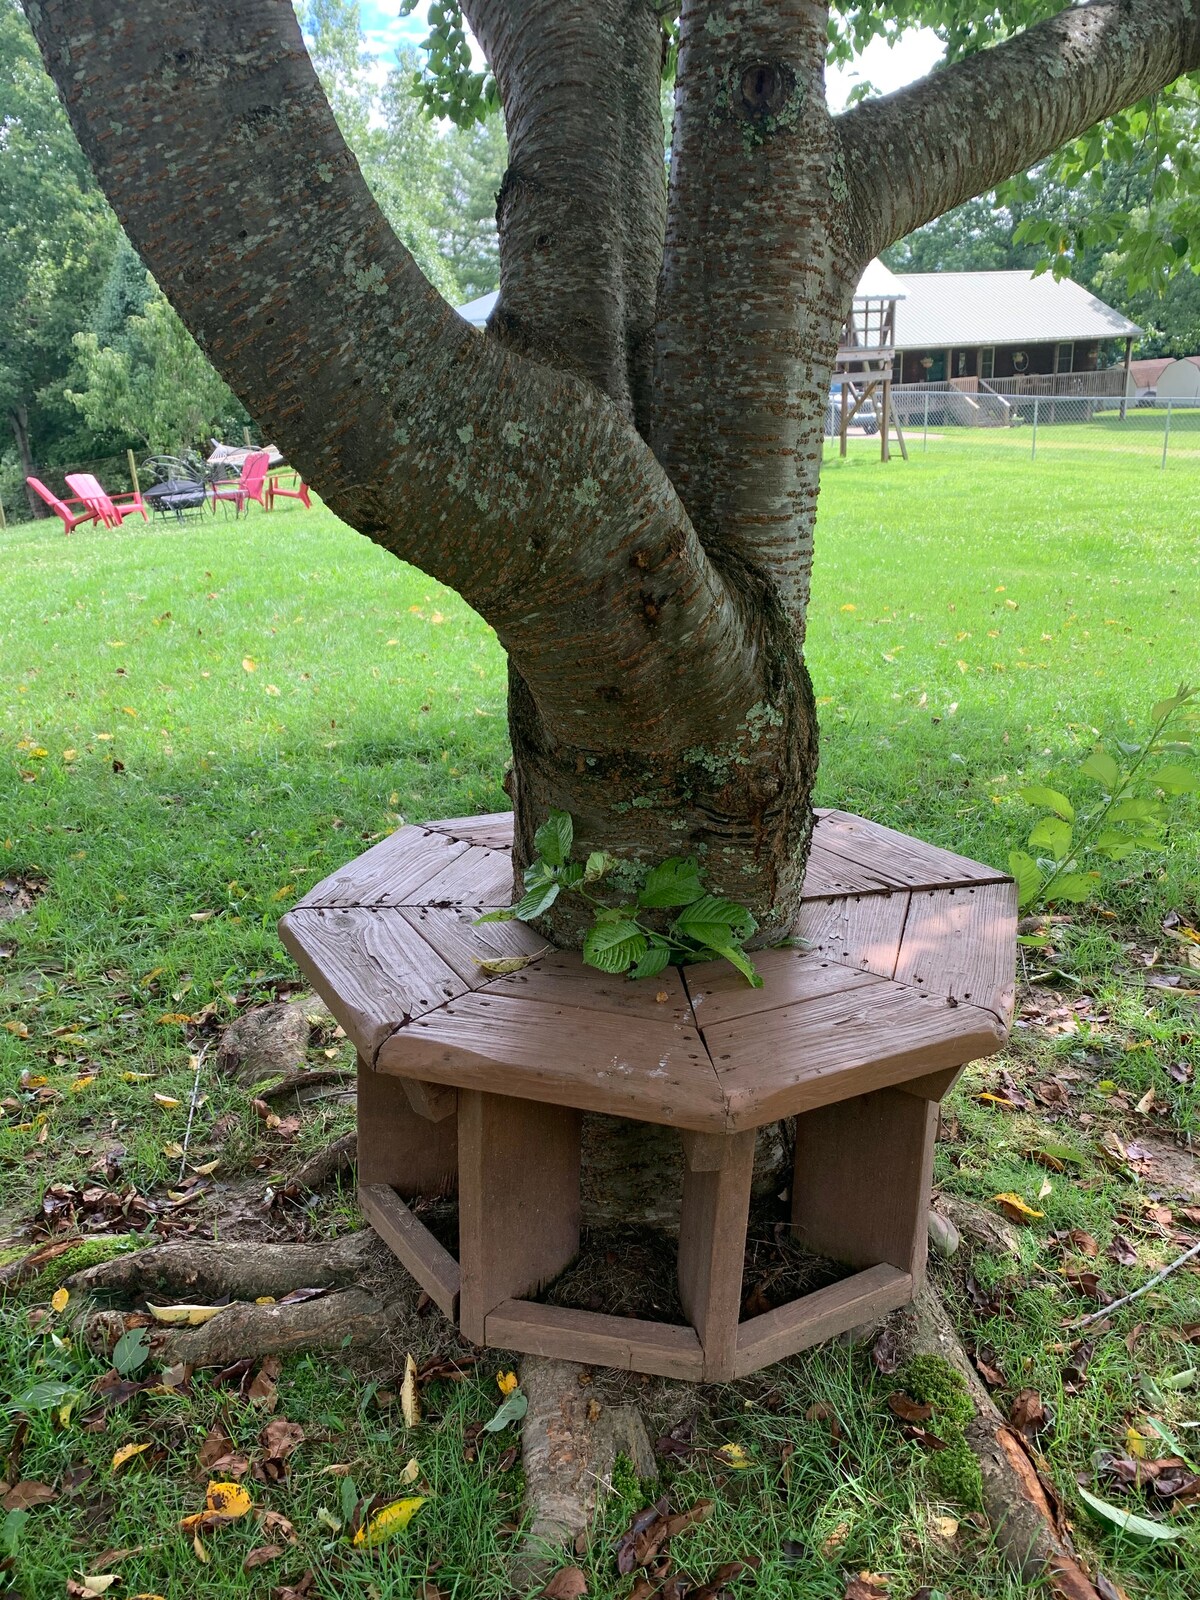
866	357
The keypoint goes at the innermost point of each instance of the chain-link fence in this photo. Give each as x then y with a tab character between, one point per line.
1055	425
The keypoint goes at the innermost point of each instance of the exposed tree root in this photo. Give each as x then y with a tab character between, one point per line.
337	1157
209	1272
569	1444
1022	1518
348	1316
301	1081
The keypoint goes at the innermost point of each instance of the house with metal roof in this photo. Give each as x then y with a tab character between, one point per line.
1006	330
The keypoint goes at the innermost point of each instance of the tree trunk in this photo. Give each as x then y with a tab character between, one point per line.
18	416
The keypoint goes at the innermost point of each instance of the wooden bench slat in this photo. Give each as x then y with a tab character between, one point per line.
797	1057
895	857
389	873
559	977
592	1338
434	1268
476	877
828	875
492	829
565	1055
862	931
371	968
720	994
818	1316
452	932
962	943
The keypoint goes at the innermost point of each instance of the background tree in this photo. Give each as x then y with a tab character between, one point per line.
57	235
622	475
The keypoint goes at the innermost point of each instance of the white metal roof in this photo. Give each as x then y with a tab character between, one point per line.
947	310
478	311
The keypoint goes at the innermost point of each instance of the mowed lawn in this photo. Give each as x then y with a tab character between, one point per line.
198	721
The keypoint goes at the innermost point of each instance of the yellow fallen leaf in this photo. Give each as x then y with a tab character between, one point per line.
392	1519
135	1077
732	1455
228	1500
59	1299
19	1028
271	689
286	890
97	1583
410	1400
1013	1206
85	1082
249	664
168	1101
264	1300
945	1527
183	1316
835	1541
174	1017
411	1472
207	1169
173	1151
127	1453
1135	1445
506	1382
198	1547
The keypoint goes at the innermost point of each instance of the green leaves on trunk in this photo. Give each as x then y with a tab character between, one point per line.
1068	846
620	940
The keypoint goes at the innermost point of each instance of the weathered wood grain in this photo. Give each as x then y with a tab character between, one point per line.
493	829
560	978
389	873
452	932
434	1268
563	1055
397	1147
860	1190
587	1336
962	943
720	994
797	1057
712	1248
371	968
819	1316
518	1200
896	858
860	931
477	877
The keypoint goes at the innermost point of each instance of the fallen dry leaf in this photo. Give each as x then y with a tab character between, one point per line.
184	1316
259	1556
29	1492
127	1453
568	1583
410	1400
1016	1209
907	1409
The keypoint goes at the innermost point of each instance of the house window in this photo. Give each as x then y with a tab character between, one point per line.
987	363
1064	358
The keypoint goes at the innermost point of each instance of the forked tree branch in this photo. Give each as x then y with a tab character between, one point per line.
522	488
915	154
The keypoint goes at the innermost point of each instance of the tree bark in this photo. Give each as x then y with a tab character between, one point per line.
638	533
18	416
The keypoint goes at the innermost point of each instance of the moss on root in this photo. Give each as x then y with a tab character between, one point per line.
87	1253
954	1472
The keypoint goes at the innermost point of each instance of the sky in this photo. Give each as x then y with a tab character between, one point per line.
885	69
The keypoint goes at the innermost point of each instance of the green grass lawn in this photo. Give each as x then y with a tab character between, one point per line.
199	721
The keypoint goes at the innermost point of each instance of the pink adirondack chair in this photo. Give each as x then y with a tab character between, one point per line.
276	492
251	485
109	510
70	519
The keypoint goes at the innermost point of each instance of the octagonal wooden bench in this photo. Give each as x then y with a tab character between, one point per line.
903	973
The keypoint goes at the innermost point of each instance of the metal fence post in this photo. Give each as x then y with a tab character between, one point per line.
1166	437
925	435
1033	456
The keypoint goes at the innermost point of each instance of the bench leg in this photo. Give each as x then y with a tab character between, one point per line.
396	1146
863	1171
712	1242
518	1205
